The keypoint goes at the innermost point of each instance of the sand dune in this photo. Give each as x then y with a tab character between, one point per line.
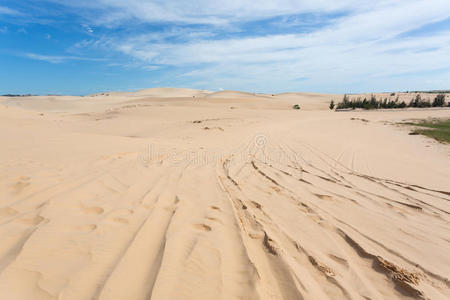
235	94
172	92
226	195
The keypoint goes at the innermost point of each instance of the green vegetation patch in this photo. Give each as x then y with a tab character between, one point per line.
435	128
374	103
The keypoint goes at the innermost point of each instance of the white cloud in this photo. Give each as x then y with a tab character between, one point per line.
215	12
55	59
361	45
355	34
8	11
88	28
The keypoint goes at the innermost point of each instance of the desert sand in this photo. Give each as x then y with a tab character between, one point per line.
185	194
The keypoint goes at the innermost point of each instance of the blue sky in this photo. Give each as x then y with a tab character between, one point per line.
86	46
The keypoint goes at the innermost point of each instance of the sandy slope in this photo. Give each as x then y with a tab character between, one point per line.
140	196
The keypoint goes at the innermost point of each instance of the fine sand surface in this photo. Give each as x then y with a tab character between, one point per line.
183	194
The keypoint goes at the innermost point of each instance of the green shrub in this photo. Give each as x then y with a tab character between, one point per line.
373	103
418	102
439	100
296	106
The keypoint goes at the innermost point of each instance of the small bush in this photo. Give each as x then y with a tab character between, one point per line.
296	106
439	101
418	102
331	104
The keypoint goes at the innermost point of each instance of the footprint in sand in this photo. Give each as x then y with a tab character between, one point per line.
21	183
202	227
148	206
6	212
120	220
36	220
256	204
124	211
121	215
213	219
324	197
86	228
256	235
94	210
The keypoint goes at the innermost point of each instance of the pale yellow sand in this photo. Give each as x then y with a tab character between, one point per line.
184	194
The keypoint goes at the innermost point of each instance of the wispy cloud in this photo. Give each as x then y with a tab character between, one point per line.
8	11
87	28
359	44
54	59
213	12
